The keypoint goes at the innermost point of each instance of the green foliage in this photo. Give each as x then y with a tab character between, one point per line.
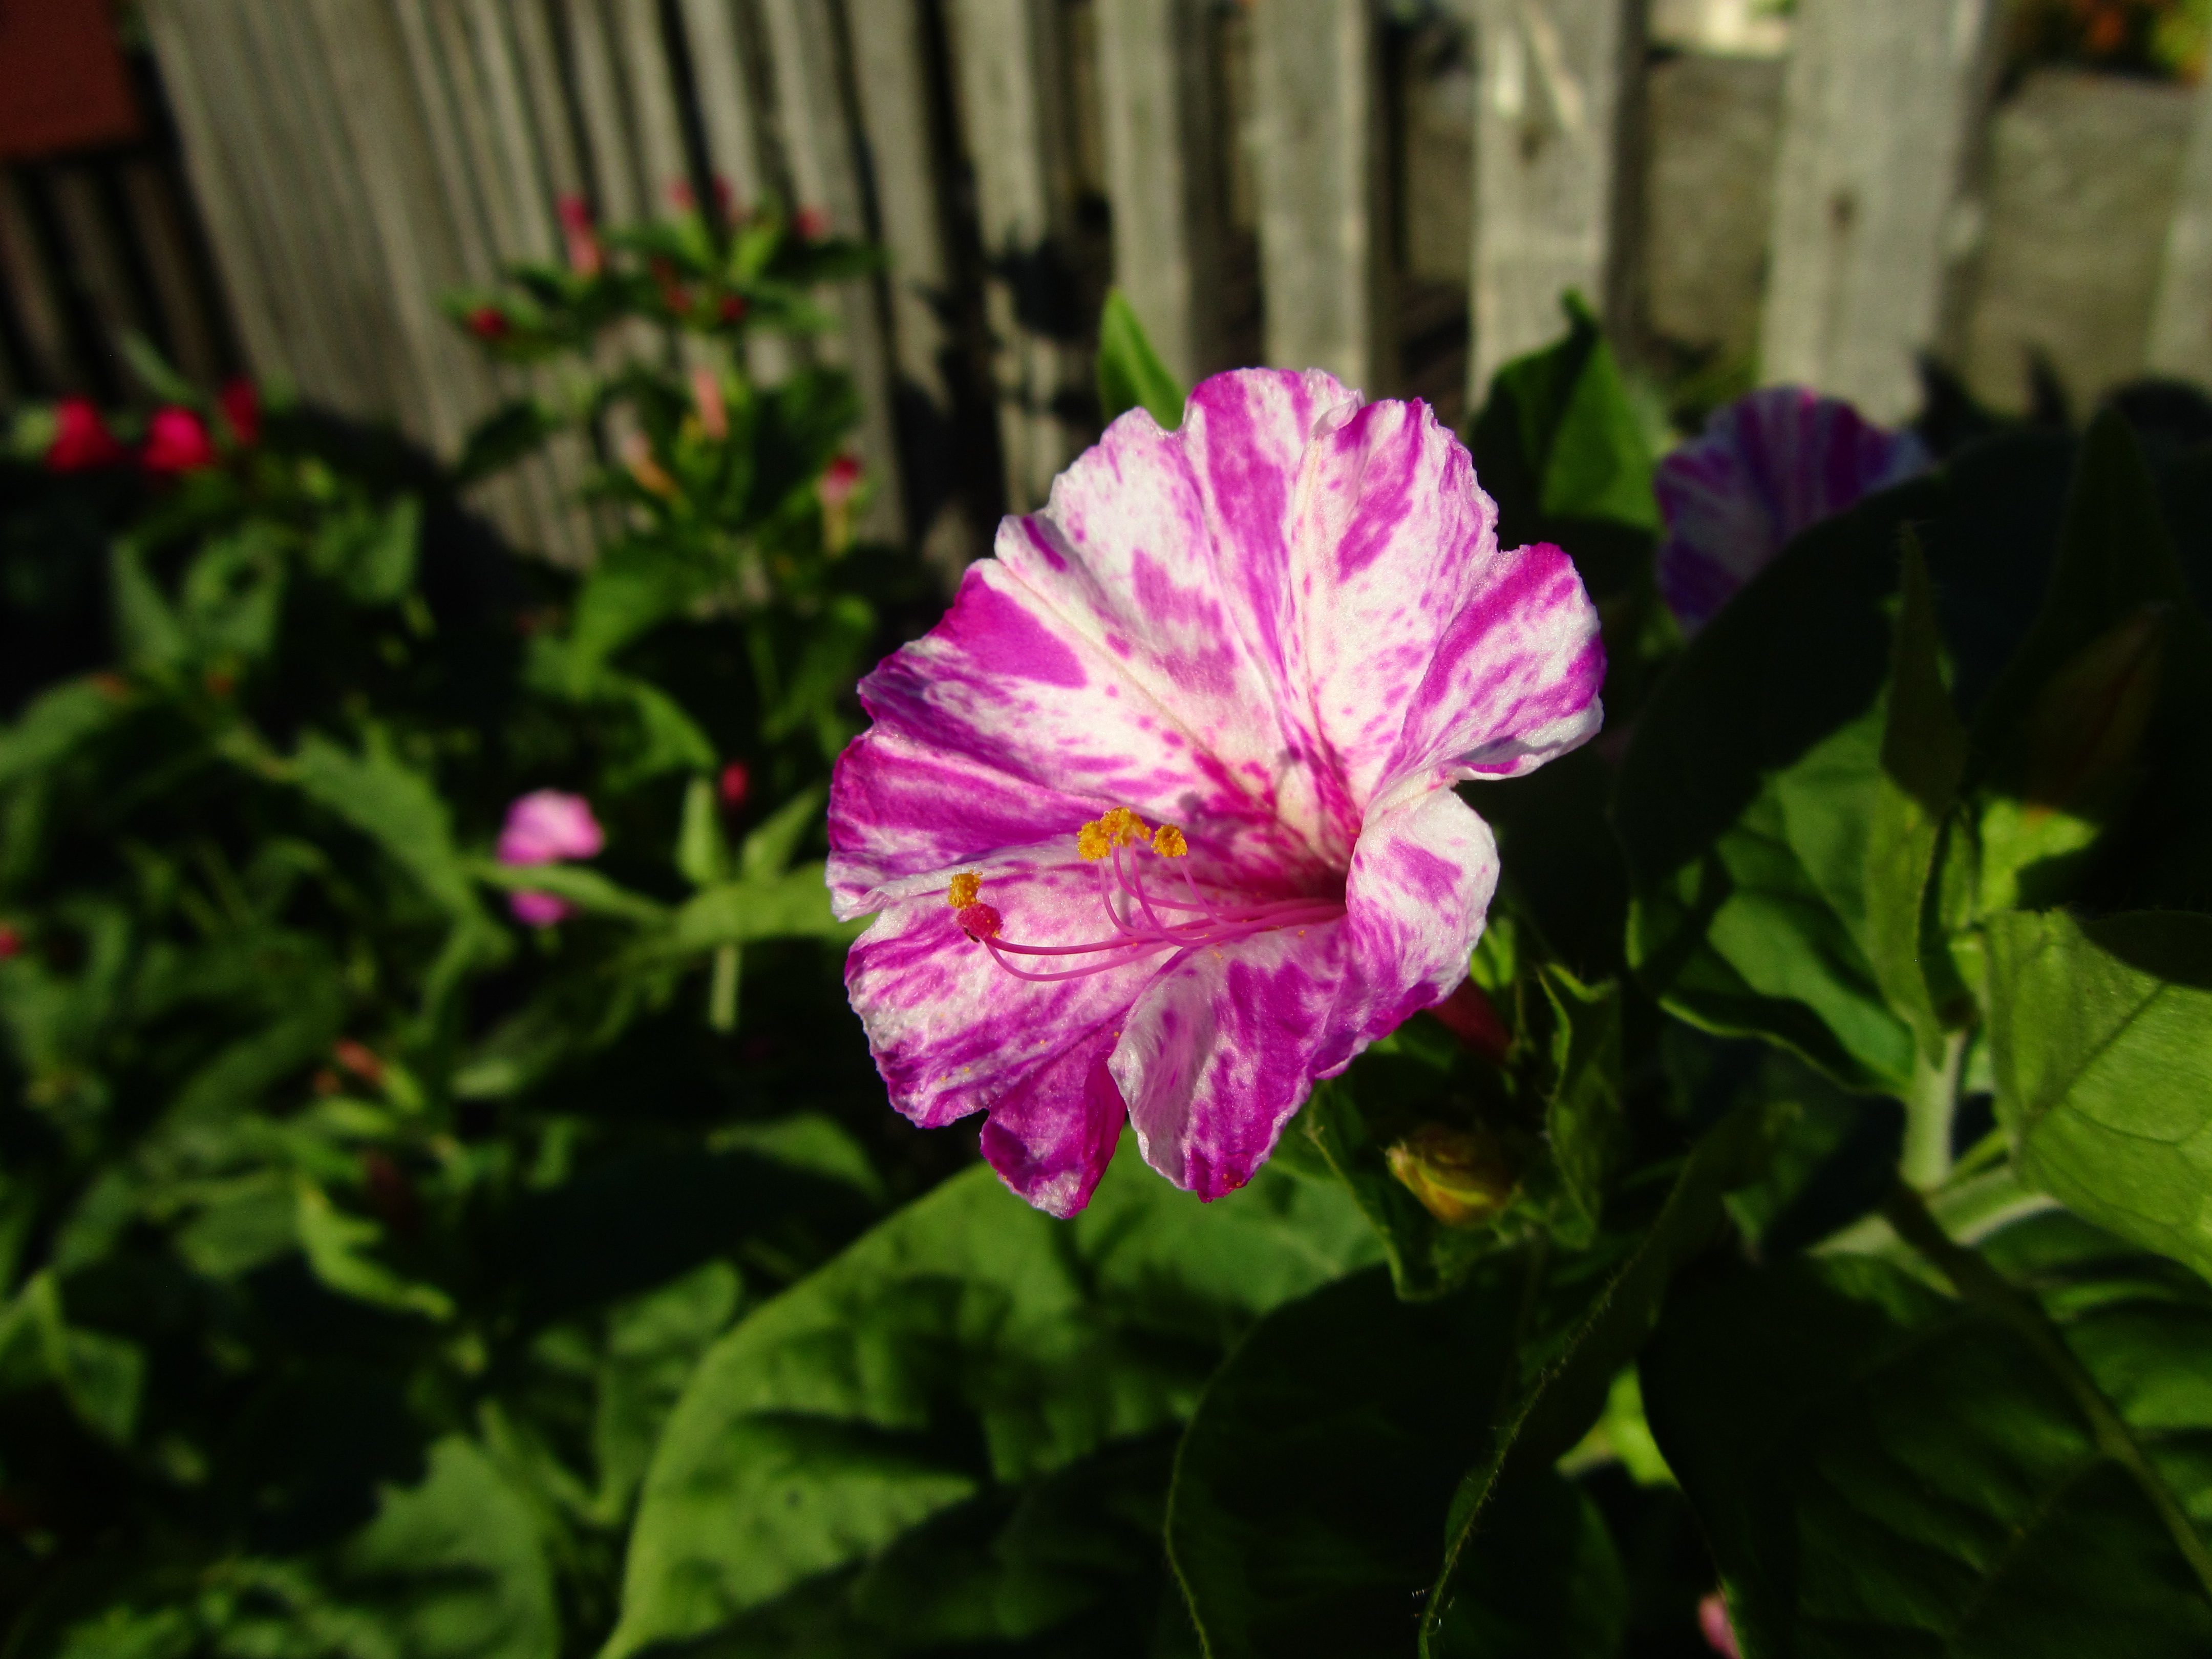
1130	373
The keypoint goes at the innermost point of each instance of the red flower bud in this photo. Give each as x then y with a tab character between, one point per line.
359	1059
812	224
585	257
82	439
1468	1015
732	308
489	323
11	941
176	443
737	784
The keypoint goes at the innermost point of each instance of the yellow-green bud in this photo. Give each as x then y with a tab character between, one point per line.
1462	1176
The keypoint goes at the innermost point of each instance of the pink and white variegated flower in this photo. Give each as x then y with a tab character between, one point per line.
1157	823
1766	467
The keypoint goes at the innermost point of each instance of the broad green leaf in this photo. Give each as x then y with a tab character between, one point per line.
703	851
382	568
1923	756
1130	373
964	1350
1545	1414
1746	804
1880	1469
1311	1489
147	630
2101	1038
653	1344
503	437
767	852
1562	436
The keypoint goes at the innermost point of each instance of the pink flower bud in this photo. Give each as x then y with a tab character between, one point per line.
490	324
1713	1624
82	439
11	941
176	443
1468	1015
538	909
707	393
812	224
547	825
585	257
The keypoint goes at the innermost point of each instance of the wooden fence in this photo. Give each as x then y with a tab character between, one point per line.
1238	167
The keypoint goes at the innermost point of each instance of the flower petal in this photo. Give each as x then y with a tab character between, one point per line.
1427	651
1415	902
954	1033
1216	1055
1053	1137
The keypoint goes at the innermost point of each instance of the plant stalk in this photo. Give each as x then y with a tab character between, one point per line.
722	992
1930	1104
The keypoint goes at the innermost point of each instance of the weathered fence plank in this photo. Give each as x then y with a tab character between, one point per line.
1877	208
2180	341
1318	148
1011	70
818	148
1558	171
1156	81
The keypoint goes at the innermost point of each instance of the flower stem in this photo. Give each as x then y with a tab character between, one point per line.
722	992
1930	1104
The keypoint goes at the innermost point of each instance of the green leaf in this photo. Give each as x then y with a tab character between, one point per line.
450	1569
382	567
1130	373
653	1344
1550	1411
395	806
703	852
334	1242
1583	1116
768	851
503	437
1427	1258
585	889
147	630
1563	436
1313	1483
964	1350
1746	804
795	905
2101	1038
1880	1469
1923	756
55	724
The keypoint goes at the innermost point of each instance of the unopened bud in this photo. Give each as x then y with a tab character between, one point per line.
1462	1176
707	393
1469	1015
585	257
2087	726
638	456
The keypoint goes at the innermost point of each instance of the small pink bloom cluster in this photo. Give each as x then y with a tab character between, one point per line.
545	827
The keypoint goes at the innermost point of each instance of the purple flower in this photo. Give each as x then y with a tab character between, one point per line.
1158	823
544	827
1766	467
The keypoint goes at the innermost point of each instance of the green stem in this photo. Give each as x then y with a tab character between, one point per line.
1984	1287
722	993
1930	1104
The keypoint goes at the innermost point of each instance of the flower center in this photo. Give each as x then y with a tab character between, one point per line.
1139	923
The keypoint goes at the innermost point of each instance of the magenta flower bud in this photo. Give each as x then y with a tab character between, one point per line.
539	909
82	439
736	786
177	442
1714	1625
547	825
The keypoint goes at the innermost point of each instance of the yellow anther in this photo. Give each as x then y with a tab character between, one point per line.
1168	841
1119	828
966	886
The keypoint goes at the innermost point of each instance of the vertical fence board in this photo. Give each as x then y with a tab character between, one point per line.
186	309
31	291
1317	162
2180	342
1876	209
817	131
1010	70
1557	169
217	191
1157	84
90	244
727	112
618	187
644	52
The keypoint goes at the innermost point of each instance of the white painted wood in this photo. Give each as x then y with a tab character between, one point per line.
1877	214
618	187
816	130
1557	167
1010	74
657	129
1316	141
2180	342
1164	178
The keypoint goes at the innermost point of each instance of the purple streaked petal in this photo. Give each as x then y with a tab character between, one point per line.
1053	1137
953	1033
1216	1055
1514	679
1766	468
